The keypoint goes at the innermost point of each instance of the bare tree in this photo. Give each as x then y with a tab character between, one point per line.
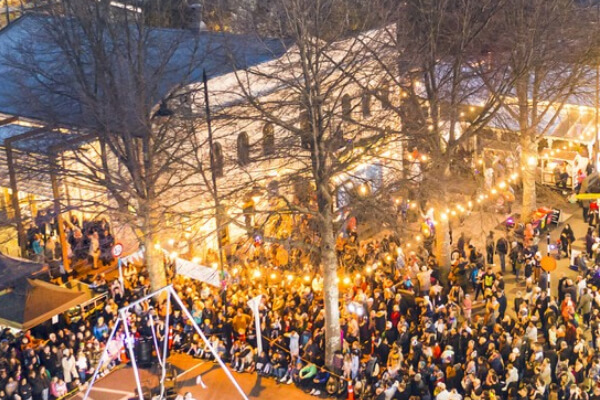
123	87
328	115
544	50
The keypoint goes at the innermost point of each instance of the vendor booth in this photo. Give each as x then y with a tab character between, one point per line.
570	143
31	302
13	269
561	166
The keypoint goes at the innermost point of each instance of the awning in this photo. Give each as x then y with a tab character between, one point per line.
13	269
32	302
574	127
556	154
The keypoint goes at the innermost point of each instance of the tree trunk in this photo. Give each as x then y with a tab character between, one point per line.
154	256
529	162
333	339
443	247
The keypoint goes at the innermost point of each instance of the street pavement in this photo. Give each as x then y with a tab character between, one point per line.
478	225
120	384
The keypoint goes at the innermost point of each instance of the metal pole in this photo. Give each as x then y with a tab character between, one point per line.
208	344
129	342
57	210
165	348
215	191
102	359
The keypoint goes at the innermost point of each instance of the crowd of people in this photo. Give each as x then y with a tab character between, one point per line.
410	329
88	241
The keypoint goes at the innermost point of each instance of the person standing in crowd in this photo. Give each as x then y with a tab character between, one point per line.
490	248
567	237
502	250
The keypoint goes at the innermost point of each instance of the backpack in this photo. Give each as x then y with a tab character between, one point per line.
474	274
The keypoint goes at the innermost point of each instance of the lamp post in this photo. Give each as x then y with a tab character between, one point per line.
215	191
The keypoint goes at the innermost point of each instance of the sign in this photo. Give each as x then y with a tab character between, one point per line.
254	303
555	216
198	272
548	263
117	250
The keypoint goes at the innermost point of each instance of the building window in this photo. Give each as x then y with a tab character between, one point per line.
305	131
218	159
243	149
268	139
346	107
384	97
366	104
338	138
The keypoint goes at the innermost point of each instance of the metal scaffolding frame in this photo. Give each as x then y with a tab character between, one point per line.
129	343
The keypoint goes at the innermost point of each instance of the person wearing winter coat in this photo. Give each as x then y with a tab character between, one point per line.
584	305
58	387
69	366
25	390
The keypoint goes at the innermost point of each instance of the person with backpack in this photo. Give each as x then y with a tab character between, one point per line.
502	250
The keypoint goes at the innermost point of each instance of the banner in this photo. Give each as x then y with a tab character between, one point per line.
253	303
138	256
198	272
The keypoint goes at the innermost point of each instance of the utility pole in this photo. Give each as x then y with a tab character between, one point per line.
215	191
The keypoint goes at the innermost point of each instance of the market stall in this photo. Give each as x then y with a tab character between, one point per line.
561	166
31	302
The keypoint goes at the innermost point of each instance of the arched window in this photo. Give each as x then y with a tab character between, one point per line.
346	107
338	138
268	139
243	149
384	97
366	104
305	131
218	159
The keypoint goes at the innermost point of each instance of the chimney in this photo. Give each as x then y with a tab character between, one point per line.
195	23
